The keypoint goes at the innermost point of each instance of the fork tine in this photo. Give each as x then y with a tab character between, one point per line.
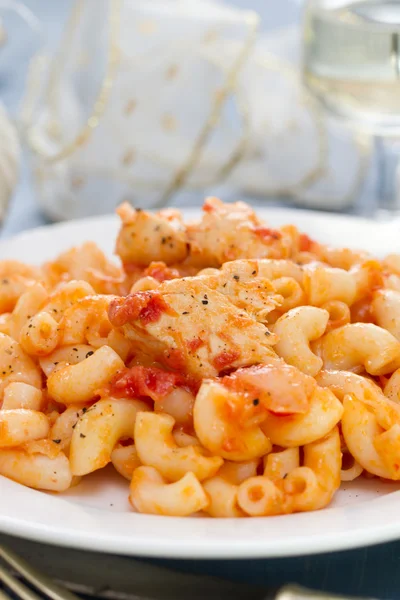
4	596
42	583
16	586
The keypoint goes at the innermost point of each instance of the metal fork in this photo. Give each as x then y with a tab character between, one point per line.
40	582
17	569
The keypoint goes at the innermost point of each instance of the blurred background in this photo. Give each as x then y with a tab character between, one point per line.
163	102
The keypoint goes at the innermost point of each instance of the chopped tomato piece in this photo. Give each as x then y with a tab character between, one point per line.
150	382
208	206
194	344
161	272
225	359
305	243
146	306
174	358
267	234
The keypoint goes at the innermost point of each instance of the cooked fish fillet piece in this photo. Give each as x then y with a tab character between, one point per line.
247	283
186	325
240	283
266	268
145	237
231	231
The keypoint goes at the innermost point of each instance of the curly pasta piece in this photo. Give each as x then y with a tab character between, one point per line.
41	335
386	310
65	355
64	425
305	488
223	498
86	321
339	314
236	472
392	387
259	496
36	469
219	433
15	365
291	291
20	425
149	493
22	395
344	383
296	430
88	263
99	429
314	487
28	304
125	460
15	279
376	450
323	283
352	471
83	381
359	345
64	297
295	330
278	465
157	448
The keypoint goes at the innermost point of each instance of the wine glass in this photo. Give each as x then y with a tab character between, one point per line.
352	65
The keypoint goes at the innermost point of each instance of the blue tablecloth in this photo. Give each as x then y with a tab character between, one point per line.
368	572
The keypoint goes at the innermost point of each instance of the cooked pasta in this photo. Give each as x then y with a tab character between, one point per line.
222	367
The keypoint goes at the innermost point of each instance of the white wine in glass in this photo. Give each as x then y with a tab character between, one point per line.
352	65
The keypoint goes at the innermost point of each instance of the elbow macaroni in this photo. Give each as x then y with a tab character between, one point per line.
36	468
157	448
291	431
98	430
220	435
214	387
295	330
357	345
20	425
223	498
22	395
125	460
149	493
40	336
386	310
81	382
304	488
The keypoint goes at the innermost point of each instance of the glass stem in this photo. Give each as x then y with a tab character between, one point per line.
387	151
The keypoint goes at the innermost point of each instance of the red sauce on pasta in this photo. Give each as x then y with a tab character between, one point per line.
267	234
150	382
161	272
225	359
146	306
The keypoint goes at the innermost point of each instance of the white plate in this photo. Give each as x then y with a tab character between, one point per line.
95	515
